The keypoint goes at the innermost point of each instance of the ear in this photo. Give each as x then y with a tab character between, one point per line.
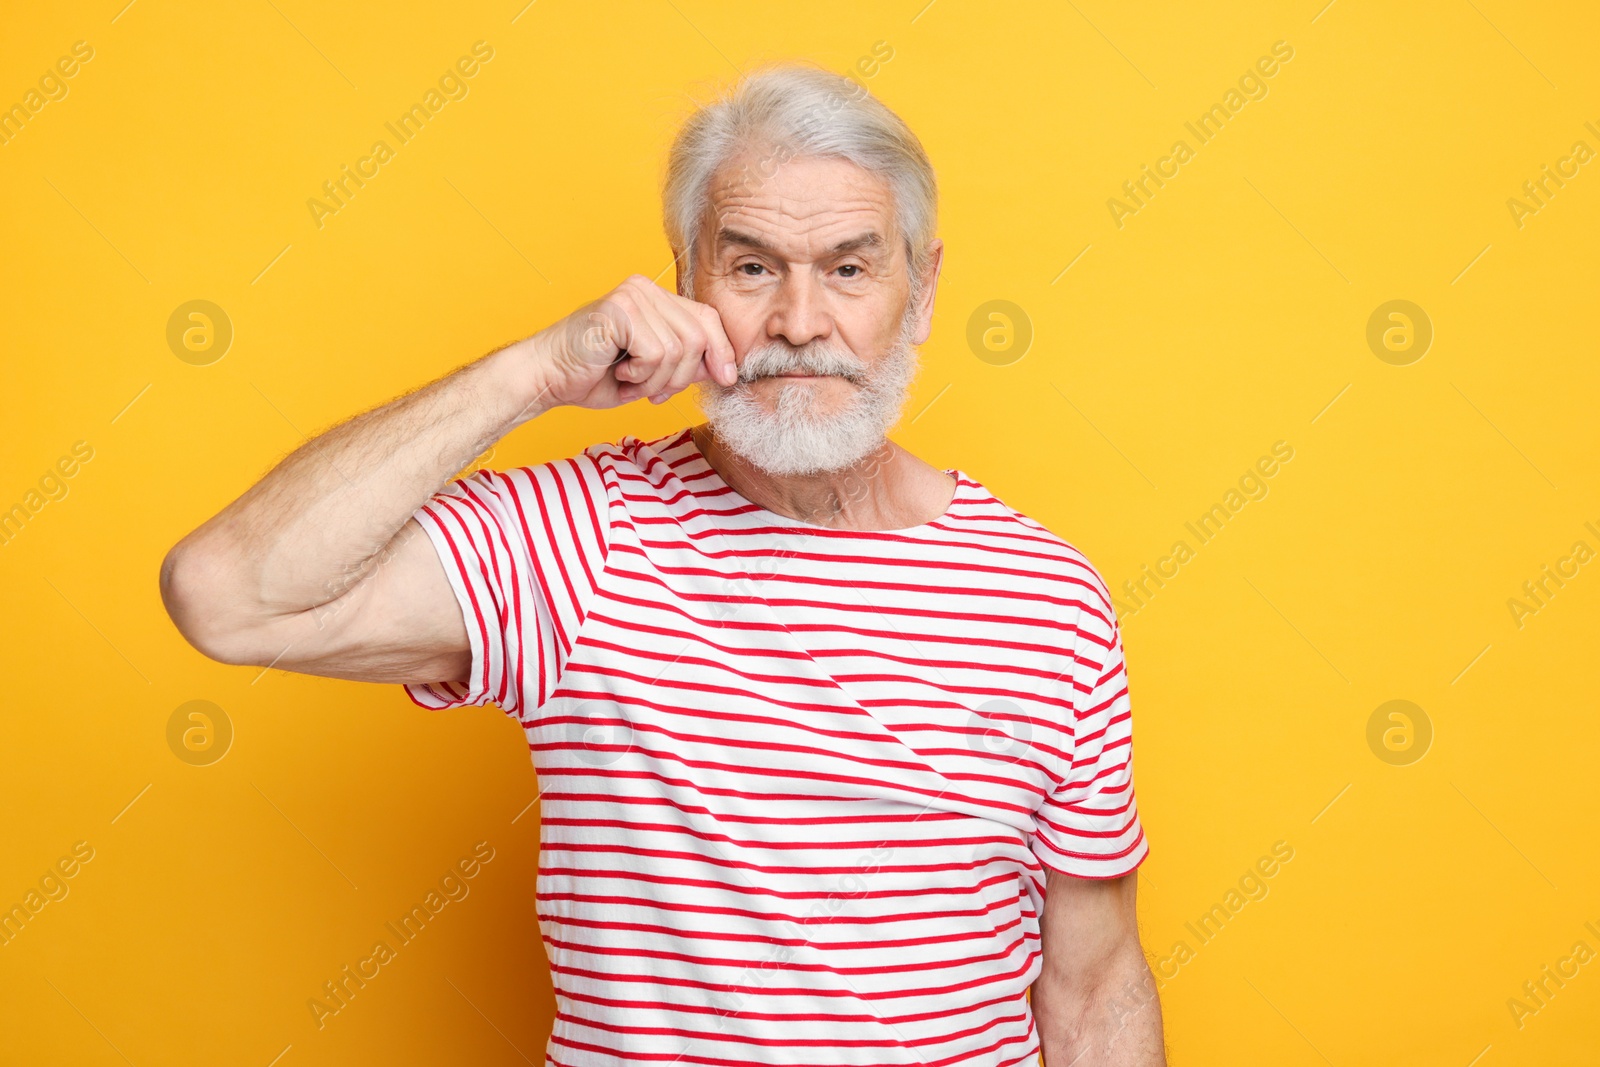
930	279
677	273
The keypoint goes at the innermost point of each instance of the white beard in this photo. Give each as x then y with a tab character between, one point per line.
798	437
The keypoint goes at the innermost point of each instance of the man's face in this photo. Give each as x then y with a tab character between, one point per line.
809	275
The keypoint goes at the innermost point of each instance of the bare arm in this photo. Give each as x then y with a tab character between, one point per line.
1095	1001
320	568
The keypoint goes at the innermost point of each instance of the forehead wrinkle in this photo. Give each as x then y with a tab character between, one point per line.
800	208
799	203
814	230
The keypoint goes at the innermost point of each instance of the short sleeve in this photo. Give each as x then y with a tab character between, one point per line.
523	550
1089	825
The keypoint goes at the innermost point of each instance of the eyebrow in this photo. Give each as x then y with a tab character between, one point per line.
728	236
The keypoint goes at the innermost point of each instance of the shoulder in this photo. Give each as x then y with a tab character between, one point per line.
1052	558
638	456
618	476
595	475
599	464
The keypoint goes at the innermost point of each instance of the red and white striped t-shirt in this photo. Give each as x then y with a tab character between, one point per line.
799	784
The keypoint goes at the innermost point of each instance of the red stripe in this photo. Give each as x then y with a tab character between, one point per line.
513	580
466	581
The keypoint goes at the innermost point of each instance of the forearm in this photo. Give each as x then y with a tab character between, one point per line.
1113	1022
318	523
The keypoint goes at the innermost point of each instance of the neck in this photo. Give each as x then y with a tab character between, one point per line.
889	489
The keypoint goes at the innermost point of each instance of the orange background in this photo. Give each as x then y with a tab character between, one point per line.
1168	354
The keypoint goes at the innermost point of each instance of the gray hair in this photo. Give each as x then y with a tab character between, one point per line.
793	111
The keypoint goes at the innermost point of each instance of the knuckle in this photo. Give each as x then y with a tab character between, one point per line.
611	311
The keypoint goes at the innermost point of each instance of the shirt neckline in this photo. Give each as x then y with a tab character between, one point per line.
686	438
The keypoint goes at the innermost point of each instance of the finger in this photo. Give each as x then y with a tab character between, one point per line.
713	348
690	370
681	339
597	338
609	331
672	348
649	342
664	372
688	320
722	362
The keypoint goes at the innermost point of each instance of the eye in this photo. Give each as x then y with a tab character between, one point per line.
742	266
851	266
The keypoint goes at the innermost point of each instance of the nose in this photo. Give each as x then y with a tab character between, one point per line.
800	313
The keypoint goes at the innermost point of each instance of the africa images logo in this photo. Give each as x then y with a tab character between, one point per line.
453	85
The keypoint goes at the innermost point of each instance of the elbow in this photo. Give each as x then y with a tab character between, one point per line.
195	592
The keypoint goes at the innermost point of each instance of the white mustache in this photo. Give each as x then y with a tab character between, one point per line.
778	358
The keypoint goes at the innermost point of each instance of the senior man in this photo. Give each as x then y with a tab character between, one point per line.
833	745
